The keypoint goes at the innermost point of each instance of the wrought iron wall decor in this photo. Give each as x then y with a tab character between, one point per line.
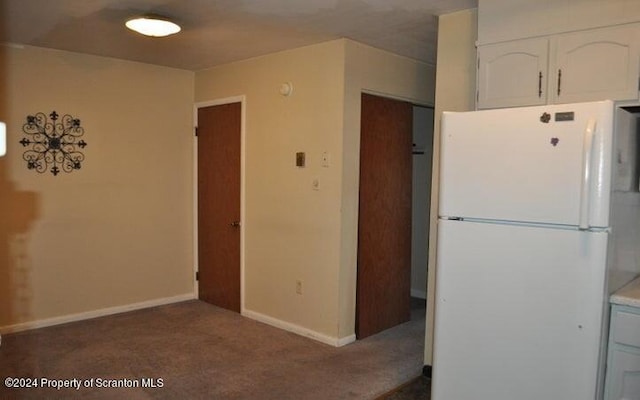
53	143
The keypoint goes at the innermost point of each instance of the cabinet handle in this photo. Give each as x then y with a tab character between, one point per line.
559	81
540	84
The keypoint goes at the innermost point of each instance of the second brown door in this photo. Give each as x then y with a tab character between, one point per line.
384	228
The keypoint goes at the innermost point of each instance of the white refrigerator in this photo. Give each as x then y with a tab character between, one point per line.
524	256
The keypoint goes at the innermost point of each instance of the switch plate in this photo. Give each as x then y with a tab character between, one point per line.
315	184
325	159
299	287
300	159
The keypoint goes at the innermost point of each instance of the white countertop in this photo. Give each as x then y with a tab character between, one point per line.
629	295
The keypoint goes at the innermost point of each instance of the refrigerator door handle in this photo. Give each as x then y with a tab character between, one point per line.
586	174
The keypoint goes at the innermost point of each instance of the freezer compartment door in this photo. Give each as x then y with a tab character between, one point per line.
518	312
547	164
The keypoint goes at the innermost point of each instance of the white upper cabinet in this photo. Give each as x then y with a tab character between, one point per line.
513	74
597	64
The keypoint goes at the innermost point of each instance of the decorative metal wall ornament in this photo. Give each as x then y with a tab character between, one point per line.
53	143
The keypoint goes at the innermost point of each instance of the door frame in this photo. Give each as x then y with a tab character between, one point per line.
227	100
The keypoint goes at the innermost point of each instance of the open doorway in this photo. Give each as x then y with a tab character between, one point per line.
389	271
421	198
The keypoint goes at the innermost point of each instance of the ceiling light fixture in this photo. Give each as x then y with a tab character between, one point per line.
153	25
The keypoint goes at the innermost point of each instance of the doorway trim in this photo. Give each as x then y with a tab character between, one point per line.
227	100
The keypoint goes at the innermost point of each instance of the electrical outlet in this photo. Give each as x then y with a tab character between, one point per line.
299	287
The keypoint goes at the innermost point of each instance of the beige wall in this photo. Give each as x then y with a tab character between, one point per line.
291	230
455	91
378	72
118	231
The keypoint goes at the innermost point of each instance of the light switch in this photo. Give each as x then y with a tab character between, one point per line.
316	184
325	159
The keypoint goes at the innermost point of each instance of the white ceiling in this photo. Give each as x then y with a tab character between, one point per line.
221	31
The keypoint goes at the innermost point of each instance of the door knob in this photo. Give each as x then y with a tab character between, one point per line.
235	224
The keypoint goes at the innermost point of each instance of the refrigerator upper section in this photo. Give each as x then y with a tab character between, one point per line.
547	164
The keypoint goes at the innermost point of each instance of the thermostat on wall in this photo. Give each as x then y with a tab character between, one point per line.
3	139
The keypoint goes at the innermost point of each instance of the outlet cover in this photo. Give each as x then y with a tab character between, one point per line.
299	287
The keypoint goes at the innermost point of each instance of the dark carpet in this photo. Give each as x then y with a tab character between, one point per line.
416	389
193	350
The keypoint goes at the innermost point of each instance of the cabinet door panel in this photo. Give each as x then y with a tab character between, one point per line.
597	65
625	375
512	74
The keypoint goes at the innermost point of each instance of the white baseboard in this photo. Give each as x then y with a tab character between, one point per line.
418	294
297	329
94	314
346	340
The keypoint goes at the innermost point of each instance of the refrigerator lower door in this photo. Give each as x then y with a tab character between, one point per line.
518	312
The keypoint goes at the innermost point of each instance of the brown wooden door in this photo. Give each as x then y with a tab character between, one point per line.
219	205
384	228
